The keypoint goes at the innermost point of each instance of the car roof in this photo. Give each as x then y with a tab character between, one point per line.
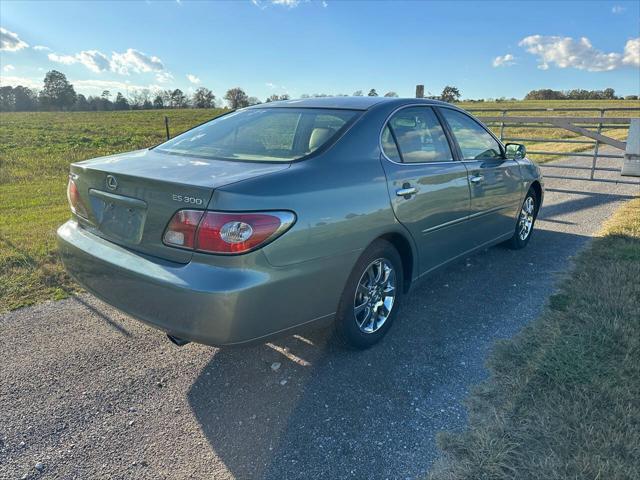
353	103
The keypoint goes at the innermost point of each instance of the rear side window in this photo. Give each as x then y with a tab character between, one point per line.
474	141
419	136
389	145
262	134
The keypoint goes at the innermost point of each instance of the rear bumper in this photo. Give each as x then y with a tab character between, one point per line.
201	302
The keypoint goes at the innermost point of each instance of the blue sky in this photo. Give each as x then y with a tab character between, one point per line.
486	49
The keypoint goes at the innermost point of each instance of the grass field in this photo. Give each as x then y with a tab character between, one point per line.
563	400
551	133
36	150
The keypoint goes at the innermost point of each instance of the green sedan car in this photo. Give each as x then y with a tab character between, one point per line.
294	213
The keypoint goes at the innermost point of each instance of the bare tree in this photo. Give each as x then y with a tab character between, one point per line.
166	98
140	98
178	99
158	102
237	98
203	98
391	94
357	93
276	98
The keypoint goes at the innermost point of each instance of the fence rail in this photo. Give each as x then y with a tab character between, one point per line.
583	126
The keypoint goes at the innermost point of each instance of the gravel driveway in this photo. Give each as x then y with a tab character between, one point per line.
86	392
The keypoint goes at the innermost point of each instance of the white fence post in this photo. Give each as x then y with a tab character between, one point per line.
631	162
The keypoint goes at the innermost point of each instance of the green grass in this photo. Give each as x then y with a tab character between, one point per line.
563	399
35	152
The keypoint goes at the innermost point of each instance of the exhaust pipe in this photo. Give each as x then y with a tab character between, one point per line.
177	341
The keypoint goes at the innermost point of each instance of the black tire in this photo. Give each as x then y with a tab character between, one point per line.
517	241
347	322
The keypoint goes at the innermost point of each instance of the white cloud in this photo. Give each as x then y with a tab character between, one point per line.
617	9
65	59
632	53
273	86
93	86
8	68
504	60
286	3
193	79
135	61
565	52
42	48
324	3
92	59
164	77
97	84
24	81
262	4
122	63
10	41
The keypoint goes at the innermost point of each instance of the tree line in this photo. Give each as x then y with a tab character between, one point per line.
576	94
58	94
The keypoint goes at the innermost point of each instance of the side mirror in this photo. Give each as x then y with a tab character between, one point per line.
515	151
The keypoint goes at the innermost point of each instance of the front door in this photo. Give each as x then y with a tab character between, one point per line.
429	189
495	182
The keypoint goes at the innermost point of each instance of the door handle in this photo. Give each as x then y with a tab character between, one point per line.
476	178
406	191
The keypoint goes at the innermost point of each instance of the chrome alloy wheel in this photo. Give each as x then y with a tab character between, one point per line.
375	295
525	222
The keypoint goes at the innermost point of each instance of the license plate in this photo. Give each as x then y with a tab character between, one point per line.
119	217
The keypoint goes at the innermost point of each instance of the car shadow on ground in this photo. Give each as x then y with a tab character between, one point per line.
580	200
303	407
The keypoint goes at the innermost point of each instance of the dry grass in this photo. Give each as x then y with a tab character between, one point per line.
563	400
556	133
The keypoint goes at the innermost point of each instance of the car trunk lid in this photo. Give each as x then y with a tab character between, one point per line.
131	197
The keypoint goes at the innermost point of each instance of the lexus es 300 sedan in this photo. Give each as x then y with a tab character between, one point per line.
293	213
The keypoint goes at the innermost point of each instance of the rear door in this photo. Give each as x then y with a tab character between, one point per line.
428	188
495	182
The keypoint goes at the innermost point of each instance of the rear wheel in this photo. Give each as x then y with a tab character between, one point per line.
371	297
526	220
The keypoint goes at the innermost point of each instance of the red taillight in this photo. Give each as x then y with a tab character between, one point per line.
181	231
225	233
75	202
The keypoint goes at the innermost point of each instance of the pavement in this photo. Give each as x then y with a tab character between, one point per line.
87	392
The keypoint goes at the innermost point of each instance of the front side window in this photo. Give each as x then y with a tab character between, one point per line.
262	134
474	141
419	136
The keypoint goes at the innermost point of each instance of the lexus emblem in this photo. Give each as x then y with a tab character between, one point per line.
112	183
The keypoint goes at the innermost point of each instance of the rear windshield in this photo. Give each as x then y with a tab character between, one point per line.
262	134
